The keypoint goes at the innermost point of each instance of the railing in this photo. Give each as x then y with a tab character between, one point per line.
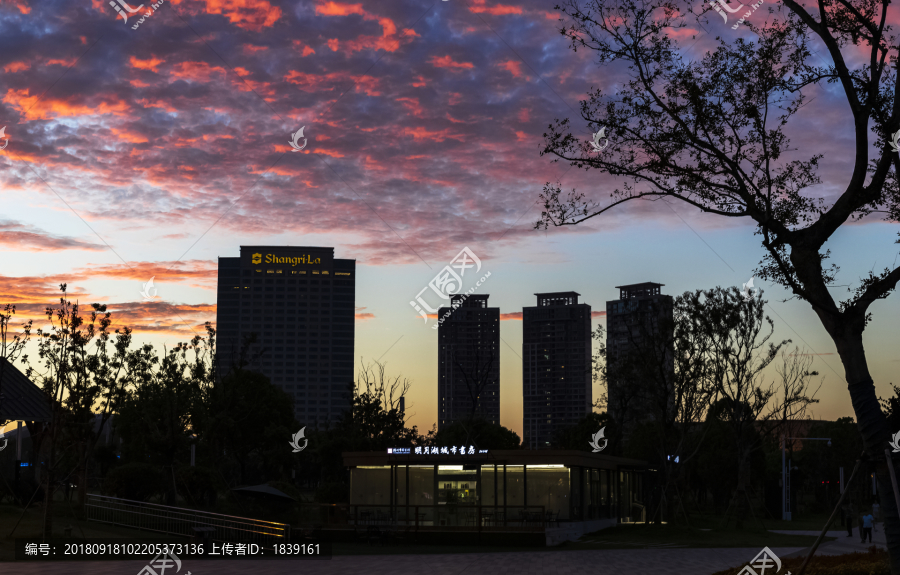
179	521
454	517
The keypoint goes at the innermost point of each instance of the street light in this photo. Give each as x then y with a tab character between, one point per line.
785	504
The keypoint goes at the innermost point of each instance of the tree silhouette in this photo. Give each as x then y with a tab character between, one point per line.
712	133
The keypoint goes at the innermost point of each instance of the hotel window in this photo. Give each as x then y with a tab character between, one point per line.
270	271
315	271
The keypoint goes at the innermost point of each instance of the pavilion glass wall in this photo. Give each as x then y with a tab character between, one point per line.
548	485
576	493
515	486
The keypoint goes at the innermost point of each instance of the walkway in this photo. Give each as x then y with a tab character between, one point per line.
842	544
656	561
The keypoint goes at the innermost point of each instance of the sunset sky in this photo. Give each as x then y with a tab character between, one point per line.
152	152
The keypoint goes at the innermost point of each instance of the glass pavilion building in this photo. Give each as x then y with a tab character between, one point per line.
573	491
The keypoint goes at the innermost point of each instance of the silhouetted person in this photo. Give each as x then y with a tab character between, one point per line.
859	519
847	512
868	522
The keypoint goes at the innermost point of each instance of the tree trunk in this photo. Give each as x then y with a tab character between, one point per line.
82	482
873	427
48	486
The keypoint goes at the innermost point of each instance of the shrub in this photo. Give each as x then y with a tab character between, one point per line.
331	492
875	562
198	485
136	481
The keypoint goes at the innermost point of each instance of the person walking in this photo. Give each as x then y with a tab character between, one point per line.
868	522
848	519
859	520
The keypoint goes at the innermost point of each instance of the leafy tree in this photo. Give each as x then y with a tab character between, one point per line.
155	419
578	436
475	431
79	375
713	134
246	419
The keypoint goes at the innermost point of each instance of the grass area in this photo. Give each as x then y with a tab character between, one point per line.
802	523
31	524
675	536
619	537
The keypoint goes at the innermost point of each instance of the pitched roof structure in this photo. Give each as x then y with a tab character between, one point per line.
22	399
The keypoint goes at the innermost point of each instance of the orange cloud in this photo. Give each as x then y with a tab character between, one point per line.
516	315
337	9
447	62
196	71
598	314
411	104
21	5
514	67
62	62
28	106
248	14
423	134
496	10
16	67
150	64
127	136
333	44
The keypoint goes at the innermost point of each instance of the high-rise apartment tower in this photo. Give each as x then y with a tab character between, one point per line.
469	361
556	366
640	322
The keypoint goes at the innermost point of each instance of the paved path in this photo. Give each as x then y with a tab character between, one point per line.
612	561
842	544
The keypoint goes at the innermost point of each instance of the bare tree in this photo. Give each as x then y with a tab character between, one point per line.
740	336
478	370
389	391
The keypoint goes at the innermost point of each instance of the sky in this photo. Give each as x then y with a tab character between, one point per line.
149	152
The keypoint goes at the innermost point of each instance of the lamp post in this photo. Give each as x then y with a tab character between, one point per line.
193	447
785	512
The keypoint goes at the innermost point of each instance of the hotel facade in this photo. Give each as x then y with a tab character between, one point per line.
300	303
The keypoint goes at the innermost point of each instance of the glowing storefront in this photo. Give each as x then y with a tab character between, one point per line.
495	490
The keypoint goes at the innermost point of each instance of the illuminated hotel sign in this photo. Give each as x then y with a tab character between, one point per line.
452	450
293	260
